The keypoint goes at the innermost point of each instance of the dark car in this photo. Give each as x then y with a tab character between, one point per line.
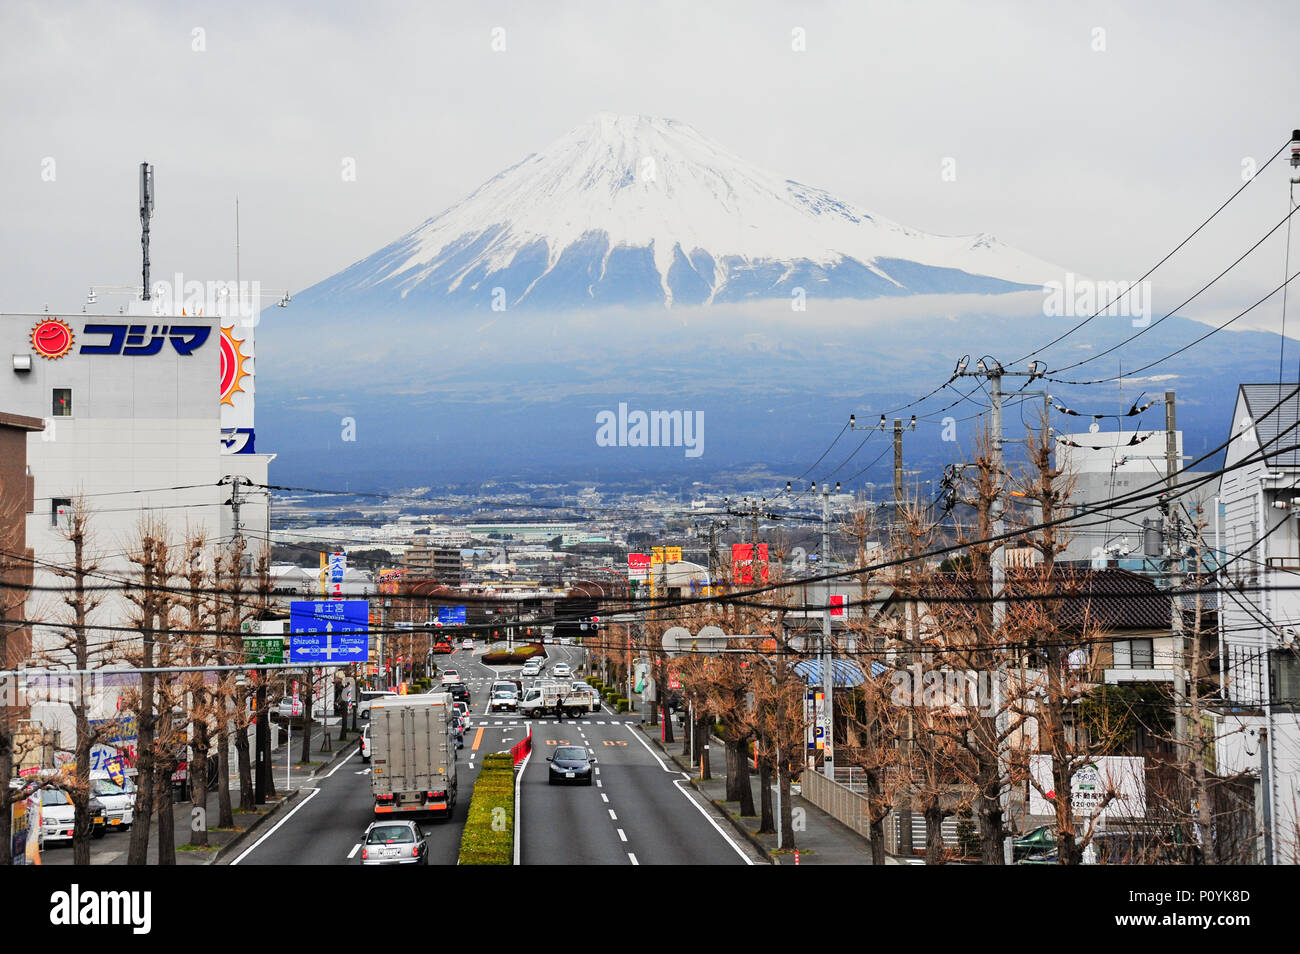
571	763
1037	847
459	692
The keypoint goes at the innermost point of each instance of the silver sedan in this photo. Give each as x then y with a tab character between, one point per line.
394	843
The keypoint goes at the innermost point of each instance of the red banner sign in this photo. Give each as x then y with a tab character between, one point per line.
742	570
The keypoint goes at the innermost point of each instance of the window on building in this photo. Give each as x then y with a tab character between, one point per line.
1134	653
62	402
60	511
1286	679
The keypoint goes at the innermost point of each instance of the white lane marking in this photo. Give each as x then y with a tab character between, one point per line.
519	777
311	793
621	835
353	852
599	783
344	762
632	858
678	785
640	738
612	815
604	797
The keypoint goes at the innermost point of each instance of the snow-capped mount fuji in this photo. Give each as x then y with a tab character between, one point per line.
633	210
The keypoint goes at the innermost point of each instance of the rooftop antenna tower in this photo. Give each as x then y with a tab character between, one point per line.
146	213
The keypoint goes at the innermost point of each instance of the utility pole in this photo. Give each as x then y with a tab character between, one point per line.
261	724
992	370
898	452
828	670
1174	567
1266	789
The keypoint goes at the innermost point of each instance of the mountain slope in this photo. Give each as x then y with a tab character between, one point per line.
630	210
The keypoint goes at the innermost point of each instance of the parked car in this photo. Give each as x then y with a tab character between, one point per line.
58	816
367	697
571	763
118	800
504	700
365	744
1037	847
561	670
394	843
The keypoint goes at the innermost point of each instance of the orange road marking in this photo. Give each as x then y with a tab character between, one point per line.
478	737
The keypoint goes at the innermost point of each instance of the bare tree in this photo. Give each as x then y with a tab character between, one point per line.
15	578
73	647
148	593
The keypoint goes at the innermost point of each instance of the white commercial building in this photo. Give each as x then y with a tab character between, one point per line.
1102	465
148	417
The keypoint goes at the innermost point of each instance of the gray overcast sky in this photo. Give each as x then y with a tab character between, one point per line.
1097	160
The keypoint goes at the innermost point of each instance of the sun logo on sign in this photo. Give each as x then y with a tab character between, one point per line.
52	338
232	366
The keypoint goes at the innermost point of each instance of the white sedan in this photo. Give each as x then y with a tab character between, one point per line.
562	671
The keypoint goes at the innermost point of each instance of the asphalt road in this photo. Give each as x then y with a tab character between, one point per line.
638	811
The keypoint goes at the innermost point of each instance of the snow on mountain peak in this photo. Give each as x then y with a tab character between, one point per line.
620	185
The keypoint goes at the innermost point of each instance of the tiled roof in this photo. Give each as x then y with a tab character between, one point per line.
1108	599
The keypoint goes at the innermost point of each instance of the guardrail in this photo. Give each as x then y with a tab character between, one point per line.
519	751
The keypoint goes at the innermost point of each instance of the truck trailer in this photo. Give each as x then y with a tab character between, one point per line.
413	755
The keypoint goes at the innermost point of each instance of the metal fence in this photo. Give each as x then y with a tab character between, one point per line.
845	800
839	801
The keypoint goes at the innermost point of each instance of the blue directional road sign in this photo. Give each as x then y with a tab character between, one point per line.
451	615
329	631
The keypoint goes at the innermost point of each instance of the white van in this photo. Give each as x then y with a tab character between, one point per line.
367	697
118	800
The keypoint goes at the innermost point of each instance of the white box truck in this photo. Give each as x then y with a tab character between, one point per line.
413	755
540	699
